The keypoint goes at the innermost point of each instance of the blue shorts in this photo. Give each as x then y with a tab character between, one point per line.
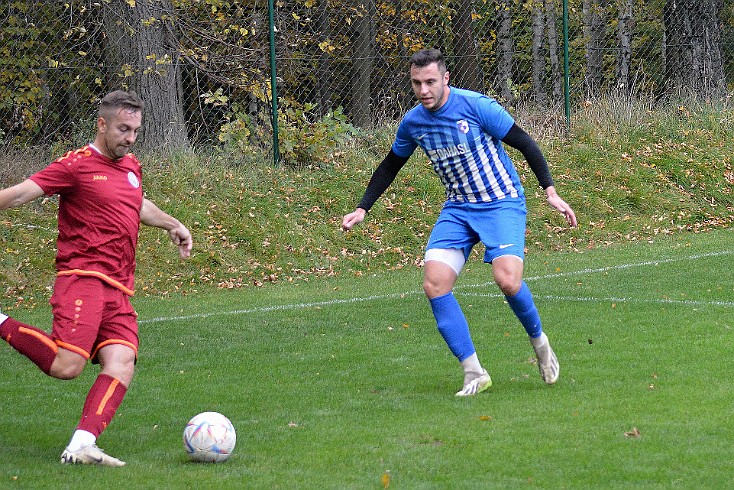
499	225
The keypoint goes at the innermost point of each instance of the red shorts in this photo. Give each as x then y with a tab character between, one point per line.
89	314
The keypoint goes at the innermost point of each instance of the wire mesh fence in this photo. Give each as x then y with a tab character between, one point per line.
204	66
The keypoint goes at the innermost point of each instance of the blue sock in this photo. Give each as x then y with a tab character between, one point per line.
452	325
523	306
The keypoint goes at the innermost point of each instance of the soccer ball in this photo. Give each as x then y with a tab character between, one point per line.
209	437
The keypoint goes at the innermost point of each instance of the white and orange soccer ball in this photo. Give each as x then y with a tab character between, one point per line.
209	437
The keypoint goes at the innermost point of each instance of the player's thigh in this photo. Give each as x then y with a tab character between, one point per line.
77	305
119	322
117	341
452	231
438	277
501	228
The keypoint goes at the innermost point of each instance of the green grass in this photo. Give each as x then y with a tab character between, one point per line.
333	382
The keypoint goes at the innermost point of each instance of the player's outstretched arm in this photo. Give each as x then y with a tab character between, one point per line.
522	141
555	200
20	194
381	179
151	215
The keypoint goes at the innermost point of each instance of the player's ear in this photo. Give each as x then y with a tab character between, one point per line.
446	77
101	124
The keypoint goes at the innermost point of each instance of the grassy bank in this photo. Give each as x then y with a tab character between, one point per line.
630	174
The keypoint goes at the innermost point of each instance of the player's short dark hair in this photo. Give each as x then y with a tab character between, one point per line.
119	99
425	57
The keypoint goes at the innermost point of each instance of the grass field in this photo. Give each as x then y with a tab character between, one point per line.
345	383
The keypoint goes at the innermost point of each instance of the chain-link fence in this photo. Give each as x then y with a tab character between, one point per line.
204	66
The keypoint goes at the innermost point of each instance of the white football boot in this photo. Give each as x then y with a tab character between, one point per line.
547	361
475	383
90	454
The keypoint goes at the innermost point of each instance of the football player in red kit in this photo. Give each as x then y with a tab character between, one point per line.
101	206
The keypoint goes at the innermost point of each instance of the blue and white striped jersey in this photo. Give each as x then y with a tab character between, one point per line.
463	141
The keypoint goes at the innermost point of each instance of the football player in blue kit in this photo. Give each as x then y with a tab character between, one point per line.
462	133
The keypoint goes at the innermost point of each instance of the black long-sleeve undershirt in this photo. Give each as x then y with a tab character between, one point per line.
381	179
516	137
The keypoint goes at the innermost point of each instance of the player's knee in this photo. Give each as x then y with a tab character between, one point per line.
508	284
67	365
434	289
507	273
69	370
508	280
118	363
509	289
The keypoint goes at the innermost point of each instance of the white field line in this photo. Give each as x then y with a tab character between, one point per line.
292	306
726	304
378	297
614	267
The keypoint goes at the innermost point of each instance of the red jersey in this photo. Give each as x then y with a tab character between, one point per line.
99	214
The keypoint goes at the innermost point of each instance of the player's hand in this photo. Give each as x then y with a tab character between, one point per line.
555	200
353	218
181	237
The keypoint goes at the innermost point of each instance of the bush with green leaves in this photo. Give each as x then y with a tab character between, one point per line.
309	139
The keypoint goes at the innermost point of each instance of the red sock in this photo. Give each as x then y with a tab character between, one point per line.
30	341
102	402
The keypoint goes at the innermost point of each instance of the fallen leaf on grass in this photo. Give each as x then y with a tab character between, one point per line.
635	432
385	479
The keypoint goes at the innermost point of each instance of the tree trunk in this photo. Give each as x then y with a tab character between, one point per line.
556	73
362	64
538	54
466	72
624	36
694	63
142	55
406	98
594	24
324	63
505	48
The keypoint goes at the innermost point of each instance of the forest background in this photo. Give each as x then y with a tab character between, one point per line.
206	68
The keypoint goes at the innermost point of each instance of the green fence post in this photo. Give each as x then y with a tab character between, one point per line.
566	74
273	83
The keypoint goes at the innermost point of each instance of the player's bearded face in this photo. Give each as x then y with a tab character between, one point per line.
431	87
119	132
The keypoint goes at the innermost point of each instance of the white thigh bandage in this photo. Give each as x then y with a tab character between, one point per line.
453	257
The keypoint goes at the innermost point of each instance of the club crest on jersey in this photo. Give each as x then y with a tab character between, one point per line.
463	126
133	179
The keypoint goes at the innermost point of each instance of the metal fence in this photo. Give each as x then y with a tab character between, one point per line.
204	67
